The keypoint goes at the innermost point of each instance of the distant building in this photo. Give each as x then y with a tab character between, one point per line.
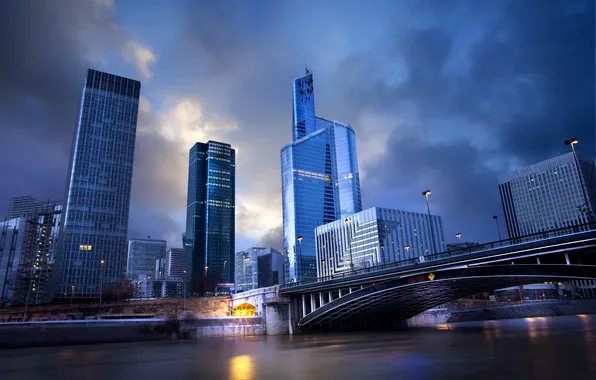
556	193
160	268
258	267
374	237
142	257
210	223
97	201
548	195
21	206
28	247
175	263
320	180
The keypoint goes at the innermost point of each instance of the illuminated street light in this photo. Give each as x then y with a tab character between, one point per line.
426	193
458	236
351	261
586	206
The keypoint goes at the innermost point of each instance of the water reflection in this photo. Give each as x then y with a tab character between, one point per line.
242	368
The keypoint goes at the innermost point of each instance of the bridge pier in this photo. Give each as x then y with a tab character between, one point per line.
340	293
567	259
303	305
313	303
330	295
321	299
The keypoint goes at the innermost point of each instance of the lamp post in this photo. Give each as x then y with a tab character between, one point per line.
458	236
300	267
71	293
184	289
224	270
383	254
498	228
101	263
586	208
407	248
347	221
426	193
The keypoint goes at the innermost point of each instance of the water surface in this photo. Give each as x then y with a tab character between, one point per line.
531	348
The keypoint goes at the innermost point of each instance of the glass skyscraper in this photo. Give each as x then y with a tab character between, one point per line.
142	257
210	224
320	180
97	200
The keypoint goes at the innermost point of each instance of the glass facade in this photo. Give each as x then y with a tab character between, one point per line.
210	227
320	182
375	236
257	268
175	263
548	195
142	257
97	201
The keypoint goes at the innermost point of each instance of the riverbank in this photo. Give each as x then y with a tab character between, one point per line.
61	333
522	310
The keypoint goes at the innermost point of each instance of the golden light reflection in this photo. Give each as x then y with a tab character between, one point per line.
583	316
244	310
242	368
443	327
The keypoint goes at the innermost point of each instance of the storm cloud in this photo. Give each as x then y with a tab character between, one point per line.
442	95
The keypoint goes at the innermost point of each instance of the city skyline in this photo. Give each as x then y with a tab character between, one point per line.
438	113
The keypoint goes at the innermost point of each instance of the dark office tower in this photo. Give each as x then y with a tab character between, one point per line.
209	237
97	199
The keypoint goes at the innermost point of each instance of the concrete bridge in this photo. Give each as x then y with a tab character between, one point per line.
396	292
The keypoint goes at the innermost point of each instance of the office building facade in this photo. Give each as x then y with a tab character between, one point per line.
210	223
320	180
376	236
258	267
548	195
97	199
175	263
26	205
143	255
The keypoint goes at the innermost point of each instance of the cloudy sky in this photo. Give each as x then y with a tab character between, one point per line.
444	95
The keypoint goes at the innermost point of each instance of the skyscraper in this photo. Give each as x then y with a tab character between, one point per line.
548	195
97	199
175	263
320	180
210	227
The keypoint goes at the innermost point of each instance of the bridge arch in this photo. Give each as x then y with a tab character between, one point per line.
244	310
403	298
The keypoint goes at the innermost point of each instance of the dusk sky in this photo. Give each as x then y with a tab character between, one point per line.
443	95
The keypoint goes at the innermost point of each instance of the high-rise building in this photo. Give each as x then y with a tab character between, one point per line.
209	237
142	255
556	193
320	180
548	195
11	244
376	236
97	199
258	267
21	206
175	263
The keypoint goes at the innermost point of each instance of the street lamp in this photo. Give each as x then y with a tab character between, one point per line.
185	289
498	228
383	254
586	208
426	193
300	267
206	269
458	236
101	263
407	248
346	221
71	293
225	262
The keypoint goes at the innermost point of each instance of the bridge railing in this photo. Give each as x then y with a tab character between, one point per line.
452	253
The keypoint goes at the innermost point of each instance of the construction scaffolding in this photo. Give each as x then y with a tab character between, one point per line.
36	261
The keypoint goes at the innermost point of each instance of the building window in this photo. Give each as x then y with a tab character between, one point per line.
85	247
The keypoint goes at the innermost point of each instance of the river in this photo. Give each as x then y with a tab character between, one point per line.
531	348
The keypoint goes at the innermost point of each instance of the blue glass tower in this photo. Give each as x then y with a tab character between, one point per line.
96	206
320	180
210	223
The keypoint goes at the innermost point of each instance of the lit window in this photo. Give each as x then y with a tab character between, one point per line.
85	247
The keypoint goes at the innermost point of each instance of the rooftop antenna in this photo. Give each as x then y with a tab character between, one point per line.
308	71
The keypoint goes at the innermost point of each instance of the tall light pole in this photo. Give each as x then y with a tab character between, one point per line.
426	193
347	221
185	289
299	238
383	254
225	262
407	248
498	228
458	236
101	263
586	208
